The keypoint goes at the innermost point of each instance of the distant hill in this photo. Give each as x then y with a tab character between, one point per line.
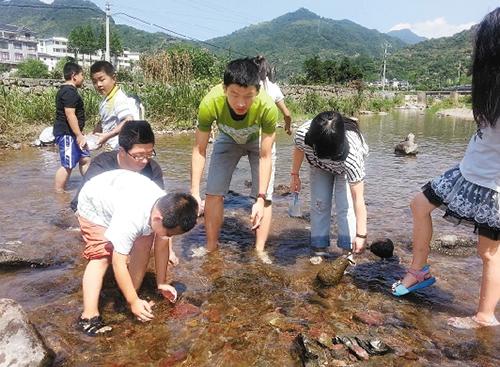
434	63
294	37
49	20
406	36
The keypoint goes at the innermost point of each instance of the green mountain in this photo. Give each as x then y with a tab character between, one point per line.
435	63
287	41
406	36
60	17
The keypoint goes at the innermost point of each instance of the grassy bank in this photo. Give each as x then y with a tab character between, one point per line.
24	114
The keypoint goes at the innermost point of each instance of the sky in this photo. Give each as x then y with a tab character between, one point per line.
205	19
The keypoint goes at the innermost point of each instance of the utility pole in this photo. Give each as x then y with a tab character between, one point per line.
107	56
459	70
386	45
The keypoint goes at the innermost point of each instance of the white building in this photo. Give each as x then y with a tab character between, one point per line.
51	50
16	44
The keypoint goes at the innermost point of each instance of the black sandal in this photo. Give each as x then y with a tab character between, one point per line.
93	326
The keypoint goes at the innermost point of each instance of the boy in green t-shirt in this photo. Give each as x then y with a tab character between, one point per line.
247	123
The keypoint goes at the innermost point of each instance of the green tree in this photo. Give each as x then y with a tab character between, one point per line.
32	69
115	42
313	68
82	40
57	72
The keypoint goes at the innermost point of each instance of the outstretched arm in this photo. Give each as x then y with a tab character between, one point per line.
286	116
198	159
265	170
297	159
358	199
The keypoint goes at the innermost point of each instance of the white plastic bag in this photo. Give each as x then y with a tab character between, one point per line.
294	208
92	141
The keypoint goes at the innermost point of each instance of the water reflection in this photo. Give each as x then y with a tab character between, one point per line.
234	311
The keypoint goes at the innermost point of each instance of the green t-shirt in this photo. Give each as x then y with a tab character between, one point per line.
262	114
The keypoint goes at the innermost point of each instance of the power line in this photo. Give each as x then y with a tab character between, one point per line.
50	7
179	34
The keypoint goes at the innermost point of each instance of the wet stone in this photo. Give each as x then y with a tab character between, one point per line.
383	248
184	311
453	245
311	352
372	318
463	351
332	272
12	259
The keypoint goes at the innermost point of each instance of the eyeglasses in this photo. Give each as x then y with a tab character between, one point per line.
140	158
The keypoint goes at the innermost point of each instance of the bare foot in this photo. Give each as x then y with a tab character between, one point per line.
471	322
264	257
173	259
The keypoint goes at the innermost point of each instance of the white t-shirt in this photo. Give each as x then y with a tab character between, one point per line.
121	201
353	166
273	90
113	109
481	162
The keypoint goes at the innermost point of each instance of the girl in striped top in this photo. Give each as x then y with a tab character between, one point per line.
336	152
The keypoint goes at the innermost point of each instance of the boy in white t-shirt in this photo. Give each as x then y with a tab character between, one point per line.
121	214
116	108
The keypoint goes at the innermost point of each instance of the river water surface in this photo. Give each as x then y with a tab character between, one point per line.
234	310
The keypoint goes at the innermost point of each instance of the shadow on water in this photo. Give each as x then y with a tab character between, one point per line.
232	309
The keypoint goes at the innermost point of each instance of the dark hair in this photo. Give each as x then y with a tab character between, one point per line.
243	72
105	66
326	135
70	69
265	68
486	71
135	132
178	209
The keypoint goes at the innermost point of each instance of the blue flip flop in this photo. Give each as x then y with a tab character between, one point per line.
398	289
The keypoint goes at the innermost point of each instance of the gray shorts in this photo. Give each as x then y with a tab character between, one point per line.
225	157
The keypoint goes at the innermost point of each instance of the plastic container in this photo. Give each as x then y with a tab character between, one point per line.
295	206
92	141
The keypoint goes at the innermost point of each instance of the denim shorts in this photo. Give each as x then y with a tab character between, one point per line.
225	157
69	151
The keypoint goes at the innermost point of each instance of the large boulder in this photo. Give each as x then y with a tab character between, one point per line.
20	343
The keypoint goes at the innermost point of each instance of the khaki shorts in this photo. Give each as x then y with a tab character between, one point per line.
225	157
96	244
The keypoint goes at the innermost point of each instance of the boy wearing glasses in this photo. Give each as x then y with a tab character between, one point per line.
136	141
247	124
121	214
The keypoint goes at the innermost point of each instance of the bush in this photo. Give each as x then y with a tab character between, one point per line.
32	69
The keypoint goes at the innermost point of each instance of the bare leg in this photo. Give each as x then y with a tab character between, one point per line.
92	284
83	165
139	259
265	226
489	251
422	234
214	212
172	257
62	176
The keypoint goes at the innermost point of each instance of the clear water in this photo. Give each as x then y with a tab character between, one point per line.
233	310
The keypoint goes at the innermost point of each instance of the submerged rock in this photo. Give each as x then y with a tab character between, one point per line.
453	245
311	352
20	342
352	344
383	248
362	348
10	259
370	317
407	146
332	271
463	351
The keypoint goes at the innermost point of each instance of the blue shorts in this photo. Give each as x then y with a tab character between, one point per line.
69	151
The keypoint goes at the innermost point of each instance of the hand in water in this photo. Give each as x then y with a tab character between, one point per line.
142	309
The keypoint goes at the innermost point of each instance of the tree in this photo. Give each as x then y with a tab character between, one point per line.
32	69
82	40
115	42
313	68
57	72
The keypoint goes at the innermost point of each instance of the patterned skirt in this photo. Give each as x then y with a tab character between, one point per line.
465	202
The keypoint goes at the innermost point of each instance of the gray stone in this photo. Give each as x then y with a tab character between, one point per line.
20	343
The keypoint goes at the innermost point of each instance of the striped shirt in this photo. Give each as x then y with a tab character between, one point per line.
353	166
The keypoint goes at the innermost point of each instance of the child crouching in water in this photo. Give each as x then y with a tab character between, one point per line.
469	191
